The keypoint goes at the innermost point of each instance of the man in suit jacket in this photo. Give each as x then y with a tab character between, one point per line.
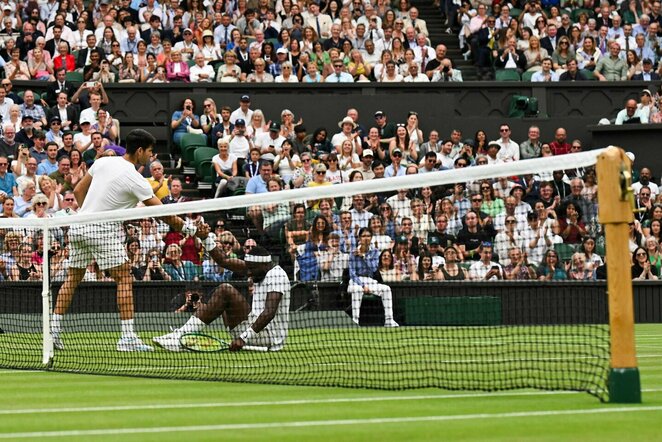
551	40
510	57
52	44
83	54
60	84
321	23
417	23
155	26
648	74
487	39
67	113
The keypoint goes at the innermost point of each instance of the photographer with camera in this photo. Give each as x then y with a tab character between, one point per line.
447	73
183	121
187	302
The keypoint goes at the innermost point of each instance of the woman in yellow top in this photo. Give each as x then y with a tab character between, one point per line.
357	67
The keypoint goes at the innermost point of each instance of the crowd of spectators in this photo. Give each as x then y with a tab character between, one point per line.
326	41
563	41
542	225
222	41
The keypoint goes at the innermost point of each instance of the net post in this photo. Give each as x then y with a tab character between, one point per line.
614	179
47	351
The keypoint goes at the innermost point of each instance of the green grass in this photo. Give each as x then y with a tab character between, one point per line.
86	407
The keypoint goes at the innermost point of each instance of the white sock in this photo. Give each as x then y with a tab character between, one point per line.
56	322
194	324
127	329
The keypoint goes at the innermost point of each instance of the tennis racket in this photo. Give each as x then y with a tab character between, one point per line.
202	343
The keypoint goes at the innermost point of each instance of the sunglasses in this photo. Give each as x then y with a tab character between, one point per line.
40	204
69	199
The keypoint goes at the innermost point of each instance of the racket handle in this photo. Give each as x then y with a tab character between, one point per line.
254	348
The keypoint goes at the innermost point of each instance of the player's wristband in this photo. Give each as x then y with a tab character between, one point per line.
189	228
210	242
248	335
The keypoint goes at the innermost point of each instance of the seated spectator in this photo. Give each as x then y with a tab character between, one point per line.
570	222
518	267
611	67
642	267
15	68
225	166
380	239
129	72
404	259
579	269
545	74
297	228
551	269
632	114
588	55
274	216
287	74
338	75
332	262
26	269
511	57
177	69
387	272
177	269
485	269
183	119
363	264
425	270
573	73
7	179
451	271
447	73
259	75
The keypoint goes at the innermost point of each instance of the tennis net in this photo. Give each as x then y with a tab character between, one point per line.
485	280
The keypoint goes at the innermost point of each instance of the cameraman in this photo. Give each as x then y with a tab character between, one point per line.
187	302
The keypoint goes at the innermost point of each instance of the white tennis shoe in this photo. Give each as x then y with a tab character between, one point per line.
391	323
57	341
169	342
132	344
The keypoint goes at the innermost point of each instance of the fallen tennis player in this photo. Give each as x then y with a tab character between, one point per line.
264	324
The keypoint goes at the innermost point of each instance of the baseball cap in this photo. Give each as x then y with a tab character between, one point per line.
319	167
281	51
401	239
239	122
86	119
189	31
245	98
274	127
55	118
6	8
379	114
470	142
27	117
647	61
434	241
646	92
368	153
396	150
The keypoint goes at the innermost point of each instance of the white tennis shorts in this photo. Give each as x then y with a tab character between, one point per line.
101	242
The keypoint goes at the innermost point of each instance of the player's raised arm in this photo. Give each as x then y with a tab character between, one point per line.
186	227
234	264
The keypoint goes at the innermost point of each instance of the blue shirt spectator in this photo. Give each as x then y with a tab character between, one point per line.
258	184
7	179
363	265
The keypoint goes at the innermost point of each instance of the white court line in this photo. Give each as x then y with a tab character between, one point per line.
294	402
328	423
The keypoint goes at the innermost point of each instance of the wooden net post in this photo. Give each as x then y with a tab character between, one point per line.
616	205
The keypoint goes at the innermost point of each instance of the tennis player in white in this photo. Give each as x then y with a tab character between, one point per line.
265	324
112	183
